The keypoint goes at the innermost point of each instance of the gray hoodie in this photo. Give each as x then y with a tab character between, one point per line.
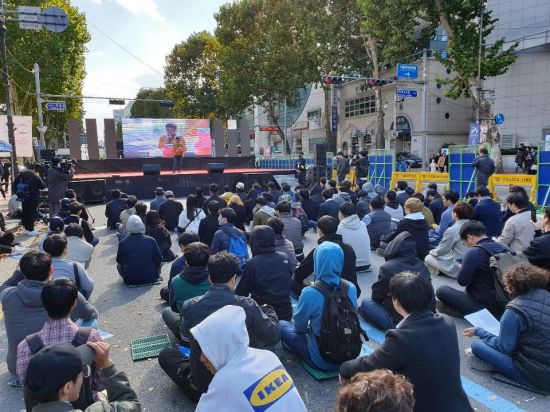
354	233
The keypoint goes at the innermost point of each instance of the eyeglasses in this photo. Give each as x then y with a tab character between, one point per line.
86	371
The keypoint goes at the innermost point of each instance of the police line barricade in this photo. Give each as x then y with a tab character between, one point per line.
499	184
439	178
351	176
412	179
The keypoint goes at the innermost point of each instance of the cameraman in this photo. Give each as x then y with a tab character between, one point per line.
58	176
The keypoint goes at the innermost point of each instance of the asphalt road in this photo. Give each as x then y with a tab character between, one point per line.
131	313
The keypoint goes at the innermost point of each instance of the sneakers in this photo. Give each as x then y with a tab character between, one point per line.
33	233
477	364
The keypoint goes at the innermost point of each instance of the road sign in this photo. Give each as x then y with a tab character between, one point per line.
29	17
499	119
407	71
406	93
56	106
54	19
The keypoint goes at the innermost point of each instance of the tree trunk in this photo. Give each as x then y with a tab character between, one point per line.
372	51
493	135
275	122
444	21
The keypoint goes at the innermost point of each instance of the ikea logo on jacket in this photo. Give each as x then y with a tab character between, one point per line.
269	389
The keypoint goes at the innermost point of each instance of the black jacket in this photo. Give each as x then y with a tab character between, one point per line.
35	184
424	348
305	269
268	275
400	256
380	225
361	167
249	205
329	208
112	212
88	234
207	228
262	325
487	211
311	208
170	211
437	207
162	236
240	211
275	195
419	231
538	251
222	203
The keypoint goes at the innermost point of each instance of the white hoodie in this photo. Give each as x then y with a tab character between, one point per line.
247	379
354	233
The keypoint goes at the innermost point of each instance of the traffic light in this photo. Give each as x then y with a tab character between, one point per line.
166	103
117	102
333	80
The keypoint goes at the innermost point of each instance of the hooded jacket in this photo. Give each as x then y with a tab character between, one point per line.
35	184
328	262
193	281
538	252
369	188
285	246
400	255
306	266
342	197
24	313
451	250
262	215
395	210
292	230
268	275
246	379
355	233
416	225
329	208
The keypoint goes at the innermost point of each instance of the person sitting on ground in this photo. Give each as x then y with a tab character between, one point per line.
301	336
190	217
400	256
447	256
24	313
65	209
274	191
475	274
331	185
78	250
154	227
368	187
379	390
262	324
250	205
393	208
315	194
192	281
213	189
472	198
263	212
178	265
238	368
210	224
521	350
310	207
518	231
138	258
6	239
330	207
129	211
402	192
59	298
239	191
507	214
292	228
237	205
378	222
76	211
56	246
436	205
423	348
428	215
15	207
326	231
158	200
343	194
487	211
538	252
56	225
449	200
222	238
267	275
72	196
415	224
355	233
285	188
227	193
363	203
114	208
170	211
199	197
282	244
141	211
54	392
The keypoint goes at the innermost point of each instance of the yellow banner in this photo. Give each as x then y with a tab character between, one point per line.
514	179
434	176
404	176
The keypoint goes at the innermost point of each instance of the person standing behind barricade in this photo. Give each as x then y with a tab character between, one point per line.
484	167
178	149
342	167
57	179
301	169
361	165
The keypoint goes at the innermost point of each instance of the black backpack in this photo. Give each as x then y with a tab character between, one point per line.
340	338
85	399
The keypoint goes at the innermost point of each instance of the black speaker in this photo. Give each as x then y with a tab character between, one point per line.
90	191
320	155
47	154
151	169
215	167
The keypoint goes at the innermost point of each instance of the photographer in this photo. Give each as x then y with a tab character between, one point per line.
57	177
27	186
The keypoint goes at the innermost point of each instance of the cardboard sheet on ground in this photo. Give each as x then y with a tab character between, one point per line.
484	319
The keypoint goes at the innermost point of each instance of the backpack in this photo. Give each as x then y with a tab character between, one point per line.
85	399
22	190
237	246
300	214
499	263
340	338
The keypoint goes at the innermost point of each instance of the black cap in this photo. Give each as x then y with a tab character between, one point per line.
159	190
55	365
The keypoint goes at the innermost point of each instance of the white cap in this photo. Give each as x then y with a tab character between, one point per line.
168	193
240	185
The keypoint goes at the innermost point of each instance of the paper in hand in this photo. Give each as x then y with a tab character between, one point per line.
485	320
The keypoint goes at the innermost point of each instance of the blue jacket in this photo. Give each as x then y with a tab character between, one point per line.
446	221
221	240
487	211
112	211
328	260
156	202
140	258
329	208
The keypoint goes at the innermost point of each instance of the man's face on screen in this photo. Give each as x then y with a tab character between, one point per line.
171	131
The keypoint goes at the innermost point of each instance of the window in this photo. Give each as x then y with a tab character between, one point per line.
359	107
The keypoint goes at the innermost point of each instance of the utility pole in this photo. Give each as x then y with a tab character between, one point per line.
425	104
479	57
41	128
6	81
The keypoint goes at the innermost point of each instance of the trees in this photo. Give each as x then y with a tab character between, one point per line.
151	110
460	22
61	60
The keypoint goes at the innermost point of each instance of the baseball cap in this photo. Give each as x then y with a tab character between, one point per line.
159	190
168	193
63	358
56	224
240	185
65	203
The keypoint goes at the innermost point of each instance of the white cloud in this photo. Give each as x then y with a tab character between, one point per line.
99	53
137	7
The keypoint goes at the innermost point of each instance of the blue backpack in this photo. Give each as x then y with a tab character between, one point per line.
238	247
22	191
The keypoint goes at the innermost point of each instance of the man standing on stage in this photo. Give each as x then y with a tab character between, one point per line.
168	139
301	169
178	149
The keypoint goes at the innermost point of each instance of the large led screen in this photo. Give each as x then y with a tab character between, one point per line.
164	137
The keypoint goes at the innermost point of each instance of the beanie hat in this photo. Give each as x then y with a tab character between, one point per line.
135	225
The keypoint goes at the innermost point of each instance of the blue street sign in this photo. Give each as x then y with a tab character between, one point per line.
475	130
407	71
56	106
499	118
406	93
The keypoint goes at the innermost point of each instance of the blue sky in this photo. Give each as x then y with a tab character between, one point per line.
147	28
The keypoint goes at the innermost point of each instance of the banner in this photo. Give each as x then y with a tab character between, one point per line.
23	134
164	137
